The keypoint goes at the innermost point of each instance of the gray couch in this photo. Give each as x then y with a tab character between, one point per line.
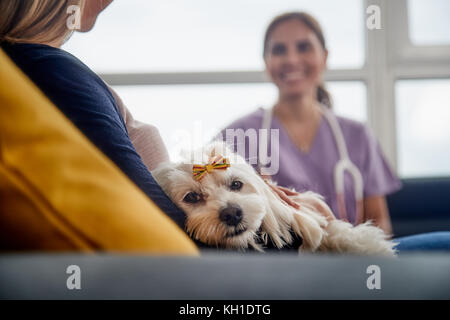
422	206
225	276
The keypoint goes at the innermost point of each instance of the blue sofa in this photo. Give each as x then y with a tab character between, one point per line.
422	205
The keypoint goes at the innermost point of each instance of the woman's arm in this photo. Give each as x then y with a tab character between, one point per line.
379	181
84	98
375	209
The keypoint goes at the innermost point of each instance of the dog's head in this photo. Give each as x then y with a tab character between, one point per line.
224	207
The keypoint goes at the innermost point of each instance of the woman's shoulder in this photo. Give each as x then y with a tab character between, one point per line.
76	90
358	136
365	151
351	124
42	62
62	77
32	55
249	120
353	128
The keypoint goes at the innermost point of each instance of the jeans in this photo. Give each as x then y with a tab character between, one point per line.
433	241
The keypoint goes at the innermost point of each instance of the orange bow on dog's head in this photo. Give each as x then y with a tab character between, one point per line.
216	163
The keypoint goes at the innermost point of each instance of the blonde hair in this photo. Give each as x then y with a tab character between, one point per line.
35	21
309	21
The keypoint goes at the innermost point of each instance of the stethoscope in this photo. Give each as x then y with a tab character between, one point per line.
344	163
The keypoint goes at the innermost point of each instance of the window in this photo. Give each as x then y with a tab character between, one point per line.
419	52
429	23
354	108
423	130
171	61
205	35
191	115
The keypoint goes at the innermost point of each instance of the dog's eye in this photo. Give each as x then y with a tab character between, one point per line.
192	197
236	185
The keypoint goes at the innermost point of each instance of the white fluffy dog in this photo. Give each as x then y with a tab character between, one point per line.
229	205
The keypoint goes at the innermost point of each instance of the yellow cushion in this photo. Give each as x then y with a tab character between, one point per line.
58	192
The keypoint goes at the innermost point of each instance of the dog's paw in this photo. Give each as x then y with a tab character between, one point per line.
362	239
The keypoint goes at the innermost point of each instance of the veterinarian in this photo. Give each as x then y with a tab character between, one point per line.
312	139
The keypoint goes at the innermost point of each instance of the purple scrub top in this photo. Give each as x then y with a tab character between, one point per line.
314	170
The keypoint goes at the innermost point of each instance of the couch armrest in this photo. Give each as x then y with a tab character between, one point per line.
422	205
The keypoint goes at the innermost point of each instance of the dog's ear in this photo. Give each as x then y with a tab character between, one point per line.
305	222
218	148
205	153
276	223
310	226
226	150
163	172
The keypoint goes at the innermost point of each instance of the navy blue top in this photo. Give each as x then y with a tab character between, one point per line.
85	99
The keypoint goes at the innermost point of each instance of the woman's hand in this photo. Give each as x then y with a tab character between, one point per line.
285	194
376	209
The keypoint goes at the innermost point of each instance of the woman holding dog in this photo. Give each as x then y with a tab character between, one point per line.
31	33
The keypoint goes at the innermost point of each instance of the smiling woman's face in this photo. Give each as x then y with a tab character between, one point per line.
295	59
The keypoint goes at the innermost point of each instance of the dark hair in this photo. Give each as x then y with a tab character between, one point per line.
323	95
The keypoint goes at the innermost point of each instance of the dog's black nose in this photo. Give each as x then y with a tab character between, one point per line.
231	214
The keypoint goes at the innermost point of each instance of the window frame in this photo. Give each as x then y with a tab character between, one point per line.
391	57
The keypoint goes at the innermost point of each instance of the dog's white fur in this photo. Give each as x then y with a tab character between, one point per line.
265	216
